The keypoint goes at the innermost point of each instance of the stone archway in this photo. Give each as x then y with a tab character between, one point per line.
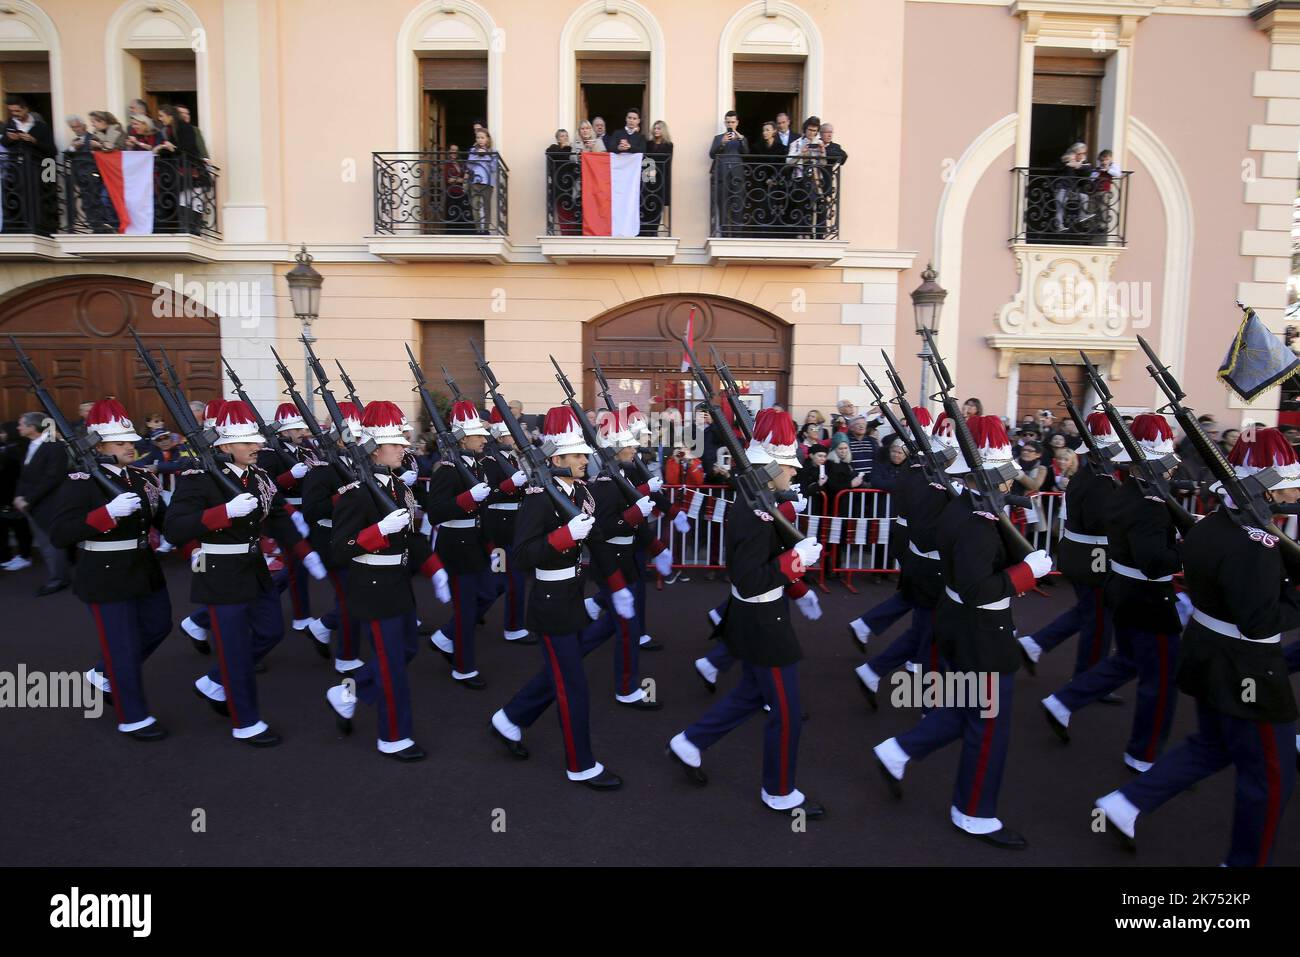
75	330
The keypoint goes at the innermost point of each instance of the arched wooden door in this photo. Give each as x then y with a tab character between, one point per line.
75	331
639	348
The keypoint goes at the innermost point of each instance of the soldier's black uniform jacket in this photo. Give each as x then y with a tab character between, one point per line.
542	541
79	514
198	511
617	522
461	549
1237	576
499	523
379	591
321	487
760	633
921	502
278	466
1087	504
1142	536
976	566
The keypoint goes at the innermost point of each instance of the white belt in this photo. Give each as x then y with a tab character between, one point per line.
293	501
556	574
621	540
1084	539
116	545
211	548
459	523
902	521
325	522
505	506
933	556
1228	629
380	559
1127	572
991	606
767	596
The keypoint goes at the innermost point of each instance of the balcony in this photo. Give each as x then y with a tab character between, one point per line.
1062	207
440	205
601	234
774	209
28	211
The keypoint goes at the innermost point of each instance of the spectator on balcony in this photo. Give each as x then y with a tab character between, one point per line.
30	144
589	140
807	201
1072	172
629	139
81	137
106	131
87	184
657	190
136	108
598	125
729	175
482	171
783	132
183	112
765	192
183	176
836	155
143	134
1102	195
562	172
455	199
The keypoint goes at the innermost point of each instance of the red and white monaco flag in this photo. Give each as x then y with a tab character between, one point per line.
611	194
128	177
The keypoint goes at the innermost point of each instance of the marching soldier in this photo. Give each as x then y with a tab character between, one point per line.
197	624
1081	557
499	530
548	544
454	510
974	631
383	549
1243	598
1144	556
757	630
230	576
117	575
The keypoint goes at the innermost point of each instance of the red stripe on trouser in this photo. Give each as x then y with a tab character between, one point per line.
785	729
1268	742
1098	626
562	702
345	621
386	676
108	663
455	606
221	660
1162	695
982	765
627	658
294	600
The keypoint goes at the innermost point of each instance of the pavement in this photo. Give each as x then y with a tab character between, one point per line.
78	793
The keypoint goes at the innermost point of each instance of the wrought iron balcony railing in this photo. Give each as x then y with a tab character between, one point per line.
564	194
1072	207
183	200
770	196
28	201
441	192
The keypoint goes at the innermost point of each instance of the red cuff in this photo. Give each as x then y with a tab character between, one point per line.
656	547
796	590
372	539
290	508
508	487
633	516
791	565
286	481
644	488
1022	577
334	499
100	520
787	509
188	549
215	518
561	540
617	581
302	549
466	501
432	565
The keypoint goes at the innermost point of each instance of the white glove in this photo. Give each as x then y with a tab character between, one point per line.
315	567
124	505
395	521
241	505
809	550
810	605
593	609
654	484
441	586
624	604
645	505
664	563
480	491
299	469
580	526
408	477
299	523
800	504
1039	562
681	523
1183	605
519	479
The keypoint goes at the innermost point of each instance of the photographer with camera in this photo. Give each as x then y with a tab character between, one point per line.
808	157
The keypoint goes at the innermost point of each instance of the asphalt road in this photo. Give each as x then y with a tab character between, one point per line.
77	793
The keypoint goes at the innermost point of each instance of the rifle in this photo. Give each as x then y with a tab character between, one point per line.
81	448
753	484
504	463
1139	467
1098	458
990	488
352	392
180	395
200	439
936	463
538	459
1249	506
642	474
608	457
324	440
448	442
744	418
272	437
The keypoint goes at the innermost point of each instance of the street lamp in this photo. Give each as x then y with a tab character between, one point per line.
927	304
304	293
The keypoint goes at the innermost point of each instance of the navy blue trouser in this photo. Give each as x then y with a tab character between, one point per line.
382	681
463	624
881	618
1261	753
510	582
627	646
776	687
1292	655
129	632
1150	657
242	635
915	644
563	681
348	646
984	745
1090	619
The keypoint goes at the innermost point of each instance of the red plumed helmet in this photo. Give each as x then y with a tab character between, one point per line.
108	419
1099	426
774	439
562	430
496	423
236	423
613	430
382	422
287	417
1153	435
349	411
464	417
943	432
923	416
212	412
1257	449
990	436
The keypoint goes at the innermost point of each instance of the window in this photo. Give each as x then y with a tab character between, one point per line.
765	88
30	79
455	98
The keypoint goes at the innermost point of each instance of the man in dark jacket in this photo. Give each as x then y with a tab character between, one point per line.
31	155
45	466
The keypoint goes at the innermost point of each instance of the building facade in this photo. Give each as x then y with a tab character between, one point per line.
332	125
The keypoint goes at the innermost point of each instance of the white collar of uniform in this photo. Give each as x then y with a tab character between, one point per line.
239	470
115	469
382	478
567	485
